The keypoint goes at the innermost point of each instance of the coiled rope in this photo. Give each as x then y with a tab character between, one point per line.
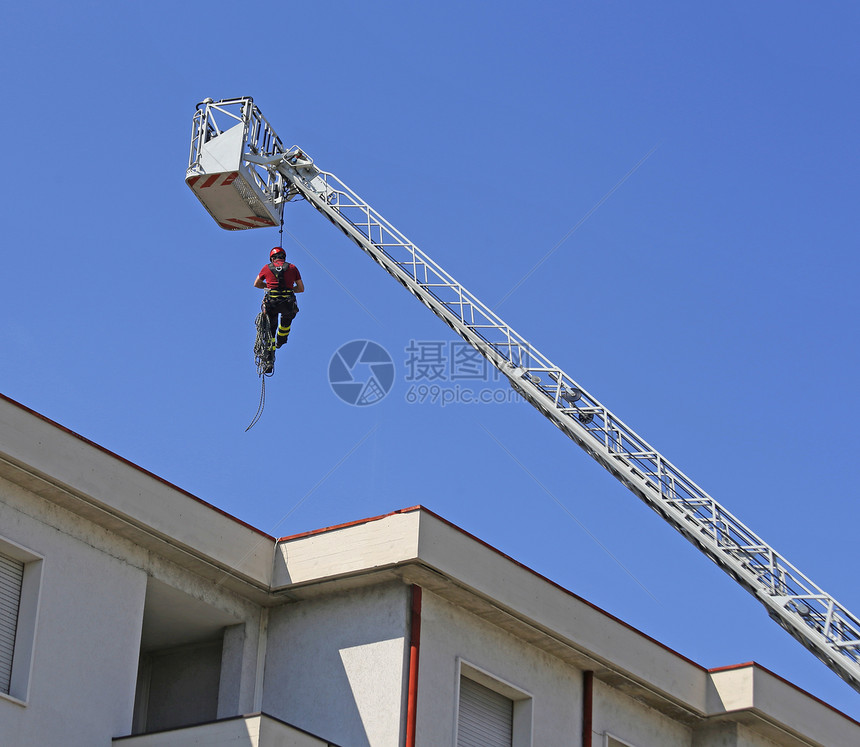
264	358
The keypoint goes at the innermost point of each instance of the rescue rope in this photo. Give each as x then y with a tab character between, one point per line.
259	407
264	354
264	359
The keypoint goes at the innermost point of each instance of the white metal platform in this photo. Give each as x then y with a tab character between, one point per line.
237	193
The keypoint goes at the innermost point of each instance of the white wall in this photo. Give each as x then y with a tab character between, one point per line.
87	631
336	667
448	632
634	722
735	735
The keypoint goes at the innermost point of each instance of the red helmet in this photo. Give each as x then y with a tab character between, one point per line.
277	250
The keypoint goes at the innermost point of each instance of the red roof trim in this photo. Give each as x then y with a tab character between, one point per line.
745	665
335	527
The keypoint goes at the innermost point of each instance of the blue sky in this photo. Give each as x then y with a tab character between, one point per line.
706	158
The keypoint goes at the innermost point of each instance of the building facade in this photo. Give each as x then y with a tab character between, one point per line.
134	614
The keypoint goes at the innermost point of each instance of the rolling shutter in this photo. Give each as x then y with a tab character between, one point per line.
486	718
11	576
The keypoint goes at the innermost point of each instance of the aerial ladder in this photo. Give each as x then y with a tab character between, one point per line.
243	175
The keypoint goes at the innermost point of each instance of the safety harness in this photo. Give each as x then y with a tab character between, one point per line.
282	292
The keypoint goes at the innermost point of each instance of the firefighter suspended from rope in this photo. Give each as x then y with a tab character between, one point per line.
282	281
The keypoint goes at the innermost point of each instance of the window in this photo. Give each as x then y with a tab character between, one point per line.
491	712
20	577
486	717
11	577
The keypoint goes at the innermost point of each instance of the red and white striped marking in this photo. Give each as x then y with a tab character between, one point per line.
203	181
250	221
224	202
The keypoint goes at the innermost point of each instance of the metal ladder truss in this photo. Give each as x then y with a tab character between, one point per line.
812	616
809	614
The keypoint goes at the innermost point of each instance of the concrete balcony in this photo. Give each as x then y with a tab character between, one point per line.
255	730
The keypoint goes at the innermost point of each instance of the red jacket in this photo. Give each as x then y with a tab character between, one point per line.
288	277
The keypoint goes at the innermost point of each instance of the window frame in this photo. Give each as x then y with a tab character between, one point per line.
28	614
522	701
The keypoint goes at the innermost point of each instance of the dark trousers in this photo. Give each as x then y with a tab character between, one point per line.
286	309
